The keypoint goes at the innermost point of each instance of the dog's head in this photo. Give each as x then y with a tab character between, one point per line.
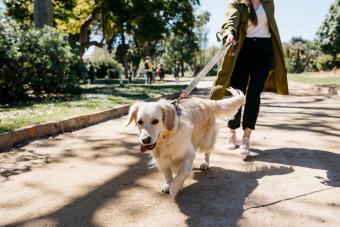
152	119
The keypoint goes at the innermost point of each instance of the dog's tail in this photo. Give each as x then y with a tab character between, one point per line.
228	107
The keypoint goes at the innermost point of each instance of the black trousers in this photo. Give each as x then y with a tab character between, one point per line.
149	77
251	71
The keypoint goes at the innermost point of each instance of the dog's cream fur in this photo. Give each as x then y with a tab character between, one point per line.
177	135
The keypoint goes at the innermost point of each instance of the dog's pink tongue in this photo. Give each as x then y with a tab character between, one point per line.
143	148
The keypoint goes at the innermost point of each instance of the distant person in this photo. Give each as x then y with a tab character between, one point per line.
177	70
91	73
148	66
135	70
161	72
129	72
257	62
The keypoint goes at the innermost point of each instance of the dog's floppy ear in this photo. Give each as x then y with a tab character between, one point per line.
169	115
132	113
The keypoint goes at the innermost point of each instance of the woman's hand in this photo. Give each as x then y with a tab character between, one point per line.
184	94
231	39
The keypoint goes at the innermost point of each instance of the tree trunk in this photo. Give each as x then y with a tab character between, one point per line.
335	56
126	66
42	14
125	56
135	69
84	29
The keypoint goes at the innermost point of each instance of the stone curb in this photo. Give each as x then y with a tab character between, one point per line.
22	136
318	88
327	90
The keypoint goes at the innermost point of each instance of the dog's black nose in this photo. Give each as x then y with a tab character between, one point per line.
147	140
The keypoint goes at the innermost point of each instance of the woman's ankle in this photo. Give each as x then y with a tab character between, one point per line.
247	133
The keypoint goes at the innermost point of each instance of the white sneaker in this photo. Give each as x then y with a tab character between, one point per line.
231	142
244	147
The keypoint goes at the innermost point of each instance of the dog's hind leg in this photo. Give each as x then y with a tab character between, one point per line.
209	142
205	164
183	172
168	179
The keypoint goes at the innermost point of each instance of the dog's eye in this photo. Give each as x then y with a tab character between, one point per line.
155	122
140	122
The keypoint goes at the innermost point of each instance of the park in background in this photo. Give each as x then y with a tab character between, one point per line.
50	49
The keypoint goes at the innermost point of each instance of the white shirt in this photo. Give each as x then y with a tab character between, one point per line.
261	30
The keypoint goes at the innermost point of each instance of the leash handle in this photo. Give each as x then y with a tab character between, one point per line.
219	54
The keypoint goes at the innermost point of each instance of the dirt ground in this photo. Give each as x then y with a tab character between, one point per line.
98	177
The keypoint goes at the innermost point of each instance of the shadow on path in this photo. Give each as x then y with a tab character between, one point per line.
81	211
313	159
217	198
22	161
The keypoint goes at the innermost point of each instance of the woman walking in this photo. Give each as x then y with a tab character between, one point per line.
257	63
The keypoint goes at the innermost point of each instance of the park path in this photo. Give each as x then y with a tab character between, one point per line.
98	177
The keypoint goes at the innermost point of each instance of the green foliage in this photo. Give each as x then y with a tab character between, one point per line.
180	48
294	66
202	35
324	63
134	28
20	10
67	14
306	56
11	81
108	67
48	59
148	22
329	32
35	61
300	55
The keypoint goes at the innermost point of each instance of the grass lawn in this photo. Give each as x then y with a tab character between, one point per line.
101	95
329	79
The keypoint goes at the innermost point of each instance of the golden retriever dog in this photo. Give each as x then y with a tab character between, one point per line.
173	135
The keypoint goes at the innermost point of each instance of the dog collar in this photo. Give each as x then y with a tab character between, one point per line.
178	110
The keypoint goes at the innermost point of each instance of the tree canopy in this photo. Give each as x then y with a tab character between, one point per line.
133	28
147	21
329	32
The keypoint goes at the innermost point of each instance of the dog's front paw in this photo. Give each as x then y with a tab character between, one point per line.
204	166
166	188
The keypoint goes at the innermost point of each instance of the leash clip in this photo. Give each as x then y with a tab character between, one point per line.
176	102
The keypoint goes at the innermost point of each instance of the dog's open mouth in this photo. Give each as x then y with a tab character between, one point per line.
144	148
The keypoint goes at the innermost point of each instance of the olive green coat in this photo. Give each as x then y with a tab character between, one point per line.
236	23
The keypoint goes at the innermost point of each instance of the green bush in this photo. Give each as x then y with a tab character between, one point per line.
312	65
294	65
35	61
108	67
11	81
325	63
